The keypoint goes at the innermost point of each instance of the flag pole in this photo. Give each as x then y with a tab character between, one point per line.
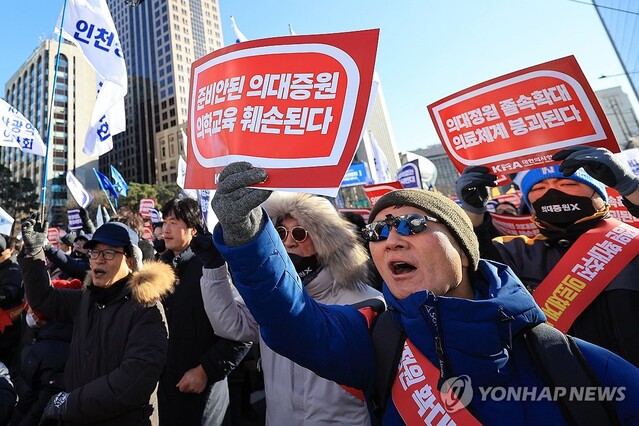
43	191
104	190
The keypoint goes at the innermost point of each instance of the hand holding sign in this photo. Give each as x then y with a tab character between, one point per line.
471	188
236	205
599	163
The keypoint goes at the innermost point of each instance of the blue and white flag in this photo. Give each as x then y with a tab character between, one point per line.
75	221
382	170
18	132
239	37
99	217
106	184
118	182
6	222
156	215
80	194
89	25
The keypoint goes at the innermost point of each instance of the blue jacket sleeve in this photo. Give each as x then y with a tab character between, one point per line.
75	268
333	341
619	379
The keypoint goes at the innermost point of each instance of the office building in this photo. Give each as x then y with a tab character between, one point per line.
160	39
620	115
30	90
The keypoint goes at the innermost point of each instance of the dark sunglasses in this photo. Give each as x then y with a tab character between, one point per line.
407	224
298	233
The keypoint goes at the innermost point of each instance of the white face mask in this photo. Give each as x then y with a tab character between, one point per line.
31	320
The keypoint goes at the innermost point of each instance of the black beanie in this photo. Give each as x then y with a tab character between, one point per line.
440	207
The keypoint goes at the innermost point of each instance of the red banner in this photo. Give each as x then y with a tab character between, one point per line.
518	121
293	105
374	192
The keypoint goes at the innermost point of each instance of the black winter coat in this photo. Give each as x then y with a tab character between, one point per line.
11	295
42	372
118	348
192	341
606	322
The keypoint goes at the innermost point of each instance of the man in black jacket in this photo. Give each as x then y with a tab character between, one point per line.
119	343
193	388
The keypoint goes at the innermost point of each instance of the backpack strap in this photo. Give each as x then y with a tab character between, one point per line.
563	365
388	342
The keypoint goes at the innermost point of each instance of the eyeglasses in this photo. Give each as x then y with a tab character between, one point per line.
107	254
407	224
298	233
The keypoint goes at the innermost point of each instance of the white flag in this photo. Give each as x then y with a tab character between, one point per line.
89	25
239	37
17	131
382	170
81	195
184	142
181	177
105	212
99	218
6	222
291	30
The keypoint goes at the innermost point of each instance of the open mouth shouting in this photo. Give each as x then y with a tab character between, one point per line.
401	268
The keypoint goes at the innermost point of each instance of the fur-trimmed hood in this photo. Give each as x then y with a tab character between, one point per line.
151	283
336	243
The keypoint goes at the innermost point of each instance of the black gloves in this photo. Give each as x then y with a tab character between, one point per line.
56	407
34	236
599	163
87	224
471	188
238	207
203	247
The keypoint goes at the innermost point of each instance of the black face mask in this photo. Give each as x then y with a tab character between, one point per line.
562	210
304	265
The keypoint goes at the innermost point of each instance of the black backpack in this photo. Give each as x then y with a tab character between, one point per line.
553	351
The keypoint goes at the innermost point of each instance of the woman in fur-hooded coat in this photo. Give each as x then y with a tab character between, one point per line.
119	343
338	275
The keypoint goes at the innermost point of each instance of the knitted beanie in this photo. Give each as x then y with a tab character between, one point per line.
526	180
442	208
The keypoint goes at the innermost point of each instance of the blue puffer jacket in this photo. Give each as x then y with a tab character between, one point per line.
480	337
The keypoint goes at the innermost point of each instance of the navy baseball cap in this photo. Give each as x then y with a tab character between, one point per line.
114	234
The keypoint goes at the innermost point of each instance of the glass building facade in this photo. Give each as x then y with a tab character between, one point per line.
620	18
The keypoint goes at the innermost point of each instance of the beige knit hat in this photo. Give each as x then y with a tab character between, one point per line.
440	207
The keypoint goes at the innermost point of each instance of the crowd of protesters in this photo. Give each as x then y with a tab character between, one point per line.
353	323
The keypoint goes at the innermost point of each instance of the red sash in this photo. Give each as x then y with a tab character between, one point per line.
416	396
9	316
585	271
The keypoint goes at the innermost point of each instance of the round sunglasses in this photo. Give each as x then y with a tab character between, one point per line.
408	224
298	233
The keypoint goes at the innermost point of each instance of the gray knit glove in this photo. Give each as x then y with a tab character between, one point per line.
236	206
471	188
34	237
599	163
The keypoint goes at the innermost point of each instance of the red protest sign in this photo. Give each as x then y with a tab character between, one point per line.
374	192
618	210
53	234
293	105
518	121
145	205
